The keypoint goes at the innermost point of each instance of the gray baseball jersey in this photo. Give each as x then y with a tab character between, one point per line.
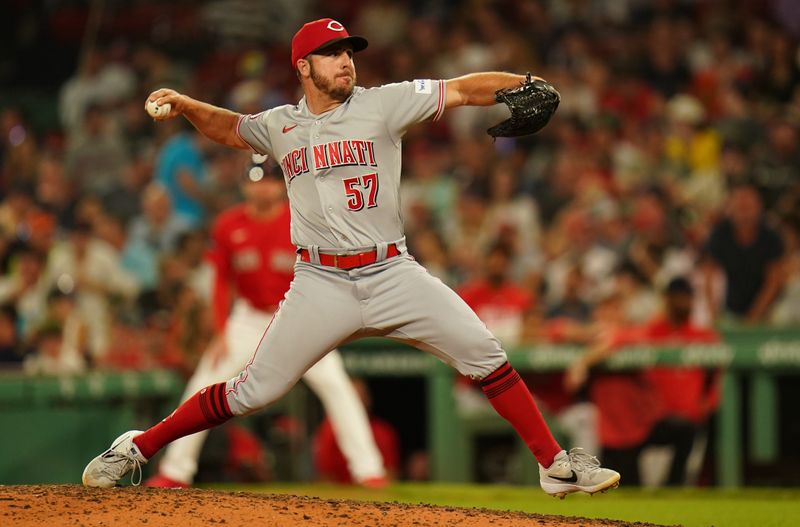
342	171
342	167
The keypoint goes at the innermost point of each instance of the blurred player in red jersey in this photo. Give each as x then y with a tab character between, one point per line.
253	258
656	406
330	463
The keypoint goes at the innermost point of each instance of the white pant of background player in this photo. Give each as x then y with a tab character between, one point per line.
327	378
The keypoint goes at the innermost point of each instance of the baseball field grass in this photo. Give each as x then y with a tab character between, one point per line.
687	507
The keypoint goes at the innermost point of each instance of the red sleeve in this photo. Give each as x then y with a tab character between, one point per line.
220	260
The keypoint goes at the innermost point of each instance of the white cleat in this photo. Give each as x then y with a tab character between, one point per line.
576	471
106	469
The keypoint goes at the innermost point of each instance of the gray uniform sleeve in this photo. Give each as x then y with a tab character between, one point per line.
410	102
254	131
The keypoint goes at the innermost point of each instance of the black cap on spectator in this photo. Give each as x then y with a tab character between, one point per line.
679	285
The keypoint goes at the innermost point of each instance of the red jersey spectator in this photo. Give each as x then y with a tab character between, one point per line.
662	405
498	301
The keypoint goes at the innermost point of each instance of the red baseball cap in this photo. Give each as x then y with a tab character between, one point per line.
318	34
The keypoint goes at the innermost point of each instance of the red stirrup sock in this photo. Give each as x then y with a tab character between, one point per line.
203	410
512	400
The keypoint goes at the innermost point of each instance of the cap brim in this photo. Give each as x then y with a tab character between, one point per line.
358	43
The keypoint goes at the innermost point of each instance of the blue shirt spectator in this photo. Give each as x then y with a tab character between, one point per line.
180	168
151	235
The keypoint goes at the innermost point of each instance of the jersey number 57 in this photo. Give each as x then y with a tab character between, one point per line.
358	187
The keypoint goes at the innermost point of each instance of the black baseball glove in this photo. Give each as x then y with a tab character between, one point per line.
532	104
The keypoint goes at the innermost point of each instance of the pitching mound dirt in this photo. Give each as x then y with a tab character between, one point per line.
73	505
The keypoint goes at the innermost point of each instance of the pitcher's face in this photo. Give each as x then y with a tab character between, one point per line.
333	71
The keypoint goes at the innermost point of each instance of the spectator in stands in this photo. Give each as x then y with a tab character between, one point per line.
466	232
110	229
41	230
656	406
181	169
137	176
54	194
62	312
158	302
427	247
49	356
151	235
775	164
426	187
514	217
14	210
192	250
750	254
24	289
572	303
96	154
496	298
640	303
574	241
656	238
59	342
225	167
91	269
98	80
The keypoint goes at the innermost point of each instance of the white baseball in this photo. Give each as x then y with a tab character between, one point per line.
158	111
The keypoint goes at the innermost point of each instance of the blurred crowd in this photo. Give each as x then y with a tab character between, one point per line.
674	154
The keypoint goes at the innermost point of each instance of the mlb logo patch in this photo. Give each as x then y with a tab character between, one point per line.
422	86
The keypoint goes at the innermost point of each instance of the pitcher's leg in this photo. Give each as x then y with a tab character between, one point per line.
329	380
318	313
180	459
424	312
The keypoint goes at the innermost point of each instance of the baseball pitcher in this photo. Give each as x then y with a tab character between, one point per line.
339	149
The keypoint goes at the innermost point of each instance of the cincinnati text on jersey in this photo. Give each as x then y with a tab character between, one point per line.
348	152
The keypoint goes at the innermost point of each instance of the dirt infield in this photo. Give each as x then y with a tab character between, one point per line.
73	505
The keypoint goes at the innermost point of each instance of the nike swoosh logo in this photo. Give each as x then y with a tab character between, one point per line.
572	479
289	128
